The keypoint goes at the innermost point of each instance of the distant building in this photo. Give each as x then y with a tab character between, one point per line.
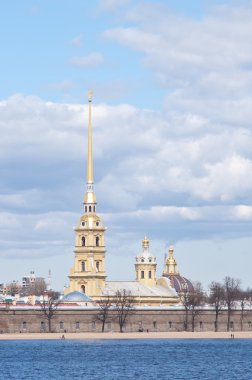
31	280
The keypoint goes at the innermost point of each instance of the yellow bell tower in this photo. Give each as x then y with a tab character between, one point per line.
171	267
88	273
145	265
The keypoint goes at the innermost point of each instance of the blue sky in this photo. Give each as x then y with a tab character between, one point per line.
172	133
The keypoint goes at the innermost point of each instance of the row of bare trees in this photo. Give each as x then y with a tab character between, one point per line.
36	288
117	307
227	295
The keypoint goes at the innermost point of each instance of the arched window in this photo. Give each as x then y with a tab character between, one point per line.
83	289
24	325
42	326
83	241
85	208
97	241
83	266
97	264
94	208
149	273
90	209
142	274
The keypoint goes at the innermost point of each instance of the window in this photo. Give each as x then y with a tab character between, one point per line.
97	264
149	273
61	325
93	325
83	224
83	289
154	324
249	325
140	327
24	325
90	208
85	208
170	325
42	326
231	325
142	274
97	223
201	325
83	266
149	260
83	241
94	208
97	241
77	325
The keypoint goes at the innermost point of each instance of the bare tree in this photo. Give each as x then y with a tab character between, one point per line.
104	308
216	298
13	288
192	300
231	291
49	306
185	299
196	297
244	298
124	304
36	288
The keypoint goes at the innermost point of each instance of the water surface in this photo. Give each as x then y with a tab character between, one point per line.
127	359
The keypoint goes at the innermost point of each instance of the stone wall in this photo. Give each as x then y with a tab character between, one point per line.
18	320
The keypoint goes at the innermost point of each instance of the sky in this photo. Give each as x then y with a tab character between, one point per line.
172	111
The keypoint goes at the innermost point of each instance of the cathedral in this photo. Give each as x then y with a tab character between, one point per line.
88	274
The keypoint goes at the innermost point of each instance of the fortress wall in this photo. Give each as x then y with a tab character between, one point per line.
28	320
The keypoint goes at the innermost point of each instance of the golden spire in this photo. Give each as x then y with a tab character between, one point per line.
90	176
90	198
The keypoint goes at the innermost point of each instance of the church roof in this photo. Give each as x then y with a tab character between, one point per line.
76	297
137	289
180	283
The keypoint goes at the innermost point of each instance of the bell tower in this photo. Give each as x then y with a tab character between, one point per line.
171	267
88	272
145	265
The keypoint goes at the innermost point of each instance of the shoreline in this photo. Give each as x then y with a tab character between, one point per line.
128	335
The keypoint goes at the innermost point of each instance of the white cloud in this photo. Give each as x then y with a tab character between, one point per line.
205	64
110	5
90	60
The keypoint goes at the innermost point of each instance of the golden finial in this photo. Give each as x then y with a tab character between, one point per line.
90	95
145	242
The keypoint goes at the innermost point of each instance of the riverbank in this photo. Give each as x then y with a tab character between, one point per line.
138	335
